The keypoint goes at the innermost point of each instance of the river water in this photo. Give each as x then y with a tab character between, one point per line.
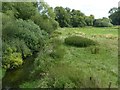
13	78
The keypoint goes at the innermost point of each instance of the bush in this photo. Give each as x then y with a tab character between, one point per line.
11	57
27	31
102	23
23	37
21	47
79	41
58	51
12	60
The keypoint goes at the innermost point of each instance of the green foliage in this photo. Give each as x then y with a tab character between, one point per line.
53	51
115	15
80	67
58	51
79	41
46	10
24	30
24	37
102	22
89	20
72	18
21	34
17	45
7	6
6	19
45	18
62	16
55	34
25	10
63	82
77	18
69	18
45	23
11	59
50	82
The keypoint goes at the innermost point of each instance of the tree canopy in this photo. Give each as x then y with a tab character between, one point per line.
115	15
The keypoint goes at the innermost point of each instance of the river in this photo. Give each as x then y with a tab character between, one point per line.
13	78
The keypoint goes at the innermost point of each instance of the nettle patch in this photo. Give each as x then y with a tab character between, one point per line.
79	41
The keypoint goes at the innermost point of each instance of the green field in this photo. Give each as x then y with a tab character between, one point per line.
79	67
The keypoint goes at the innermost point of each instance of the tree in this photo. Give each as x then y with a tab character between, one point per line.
45	10
62	16
113	10
25	10
89	20
115	16
77	18
104	22
45	17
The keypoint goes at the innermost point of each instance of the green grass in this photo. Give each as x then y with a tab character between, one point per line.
91	30
82	68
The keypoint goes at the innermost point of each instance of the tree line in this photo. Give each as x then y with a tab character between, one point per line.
75	18
67	17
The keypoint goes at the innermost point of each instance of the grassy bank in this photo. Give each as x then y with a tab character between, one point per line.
81	67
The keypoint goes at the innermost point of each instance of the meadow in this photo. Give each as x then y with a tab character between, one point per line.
95	66
45	47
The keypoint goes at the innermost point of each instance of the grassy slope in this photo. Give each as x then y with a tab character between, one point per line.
103	67
82	67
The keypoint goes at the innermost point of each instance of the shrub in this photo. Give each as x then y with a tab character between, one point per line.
79	41
12	60
57	53
27	31
57	50
21	47
102	23
11	57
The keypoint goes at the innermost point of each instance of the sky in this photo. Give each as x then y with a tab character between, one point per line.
99	8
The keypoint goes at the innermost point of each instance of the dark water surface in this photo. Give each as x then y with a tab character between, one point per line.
13	78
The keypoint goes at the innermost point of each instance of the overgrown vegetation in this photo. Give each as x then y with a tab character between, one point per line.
23	33
32	27
79	41
86	67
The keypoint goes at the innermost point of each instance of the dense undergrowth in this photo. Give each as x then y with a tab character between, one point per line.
22	35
